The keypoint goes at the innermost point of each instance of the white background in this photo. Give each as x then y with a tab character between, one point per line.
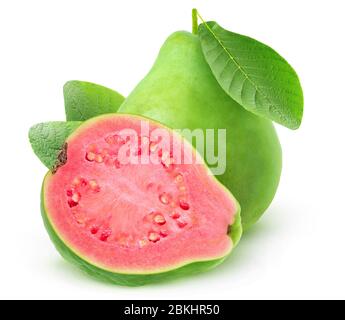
297	249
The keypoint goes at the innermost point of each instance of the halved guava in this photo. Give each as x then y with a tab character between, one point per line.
132	221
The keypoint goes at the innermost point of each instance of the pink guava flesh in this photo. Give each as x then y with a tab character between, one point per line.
136	218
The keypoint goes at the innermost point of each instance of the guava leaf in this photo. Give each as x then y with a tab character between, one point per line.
84	100
47	139
253	74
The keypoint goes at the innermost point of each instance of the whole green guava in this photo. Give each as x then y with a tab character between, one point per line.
181	92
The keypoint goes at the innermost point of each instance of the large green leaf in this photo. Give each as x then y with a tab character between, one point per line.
253	74
47	140
84	100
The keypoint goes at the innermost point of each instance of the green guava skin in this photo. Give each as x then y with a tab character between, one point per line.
181	92
135	280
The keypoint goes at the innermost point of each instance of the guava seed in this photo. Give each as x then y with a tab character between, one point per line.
179	178
181	223
153	147
77	182
165	156
76	197
168	162
175	215
153	236
159	219
81	220
114	139
71	203
90	156
94	185
94	230
143	243
117	164
105	235
184	205
164	233
99	158
164	198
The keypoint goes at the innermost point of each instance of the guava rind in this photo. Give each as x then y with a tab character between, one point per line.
136	279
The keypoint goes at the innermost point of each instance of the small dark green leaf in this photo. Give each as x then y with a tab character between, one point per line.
47	140
84	100
253	74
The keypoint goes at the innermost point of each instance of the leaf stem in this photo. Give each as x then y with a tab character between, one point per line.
195	21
